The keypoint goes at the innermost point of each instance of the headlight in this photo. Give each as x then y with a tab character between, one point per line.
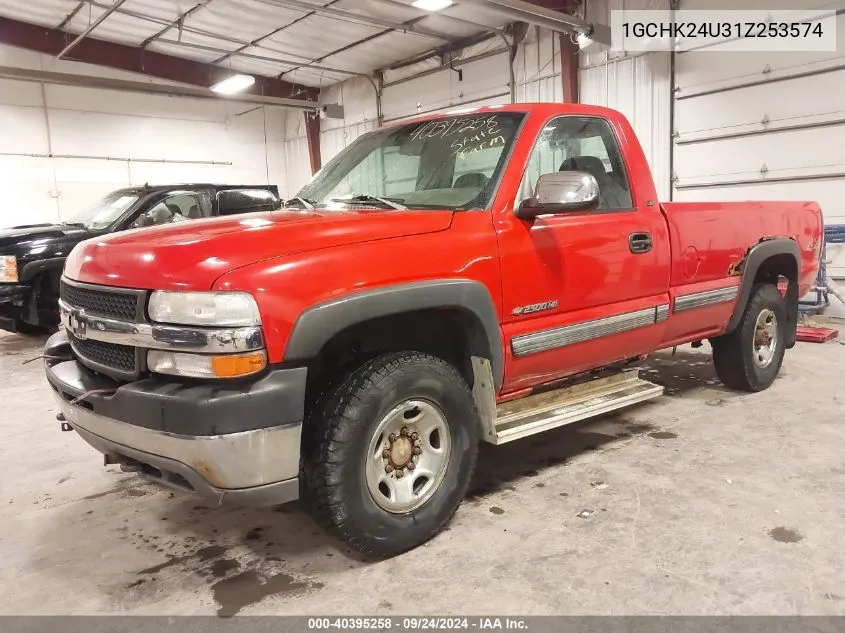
202	366
8	268
204	308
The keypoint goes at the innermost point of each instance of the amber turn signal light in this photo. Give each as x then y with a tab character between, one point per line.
234	365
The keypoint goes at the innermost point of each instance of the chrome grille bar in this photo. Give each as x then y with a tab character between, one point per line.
164	337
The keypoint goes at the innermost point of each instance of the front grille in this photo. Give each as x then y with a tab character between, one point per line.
115	305
108	356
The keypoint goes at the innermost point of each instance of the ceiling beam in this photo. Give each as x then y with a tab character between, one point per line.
143	87
564	6
538	13
72	14
264	58
408	26
275	31
91	27
442	16
177	22
133	59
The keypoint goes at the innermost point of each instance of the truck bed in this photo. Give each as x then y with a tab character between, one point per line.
710	239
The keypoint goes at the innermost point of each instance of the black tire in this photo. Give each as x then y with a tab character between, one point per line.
734	353
337	436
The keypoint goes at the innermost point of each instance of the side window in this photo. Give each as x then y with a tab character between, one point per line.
572	143
175	208
230	201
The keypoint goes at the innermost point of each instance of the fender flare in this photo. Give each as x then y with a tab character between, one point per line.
755	258
32	269
316	325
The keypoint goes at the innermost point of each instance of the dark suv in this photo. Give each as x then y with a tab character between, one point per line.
32	256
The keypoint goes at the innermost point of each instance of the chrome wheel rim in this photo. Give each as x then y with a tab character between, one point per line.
765	338
407	456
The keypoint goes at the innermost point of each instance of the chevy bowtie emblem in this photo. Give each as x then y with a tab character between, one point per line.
77	324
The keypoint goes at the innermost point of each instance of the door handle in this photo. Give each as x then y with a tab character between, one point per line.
640	243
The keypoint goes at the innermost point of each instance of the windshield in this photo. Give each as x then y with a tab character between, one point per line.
103	214
450	163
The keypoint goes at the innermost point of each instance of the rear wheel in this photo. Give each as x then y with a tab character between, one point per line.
388	453
750	357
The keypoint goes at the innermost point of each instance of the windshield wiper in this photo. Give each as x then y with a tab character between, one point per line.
365	197
305	202
80	224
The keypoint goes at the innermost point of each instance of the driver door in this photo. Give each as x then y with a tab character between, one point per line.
576	295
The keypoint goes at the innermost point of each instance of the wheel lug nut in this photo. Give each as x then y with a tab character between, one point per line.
417	450
399	474
392	437
388	469
385	453
404	430
411	465
415	436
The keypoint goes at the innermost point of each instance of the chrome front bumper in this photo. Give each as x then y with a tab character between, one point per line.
255	467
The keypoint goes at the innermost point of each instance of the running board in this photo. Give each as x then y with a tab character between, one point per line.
548	410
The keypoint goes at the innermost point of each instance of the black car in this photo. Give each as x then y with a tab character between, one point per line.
32	256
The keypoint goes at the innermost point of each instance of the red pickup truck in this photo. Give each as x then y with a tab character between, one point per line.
461	278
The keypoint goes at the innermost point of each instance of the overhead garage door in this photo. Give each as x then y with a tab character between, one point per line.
767	126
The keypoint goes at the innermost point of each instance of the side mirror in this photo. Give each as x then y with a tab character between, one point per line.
559	192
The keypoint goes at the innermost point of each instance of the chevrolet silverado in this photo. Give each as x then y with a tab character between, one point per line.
460	278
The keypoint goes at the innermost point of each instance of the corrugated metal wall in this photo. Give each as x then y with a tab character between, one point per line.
638	85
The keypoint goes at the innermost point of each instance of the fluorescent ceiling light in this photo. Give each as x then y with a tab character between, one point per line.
235	83
432	5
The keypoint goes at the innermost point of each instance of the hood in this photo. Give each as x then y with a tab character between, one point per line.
191	255
20	235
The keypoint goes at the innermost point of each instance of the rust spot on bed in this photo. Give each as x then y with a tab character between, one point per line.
736	268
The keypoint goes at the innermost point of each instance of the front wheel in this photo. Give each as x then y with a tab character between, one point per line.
750	357
389	452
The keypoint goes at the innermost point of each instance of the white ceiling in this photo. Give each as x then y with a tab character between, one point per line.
289	39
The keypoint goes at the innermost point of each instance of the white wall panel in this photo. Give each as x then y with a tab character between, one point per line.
27	184
640	88
358	98
537	68
638	85
83	138
481	80
22	130
768	126
298	170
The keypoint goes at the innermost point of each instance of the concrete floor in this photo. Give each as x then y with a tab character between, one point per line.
702	501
